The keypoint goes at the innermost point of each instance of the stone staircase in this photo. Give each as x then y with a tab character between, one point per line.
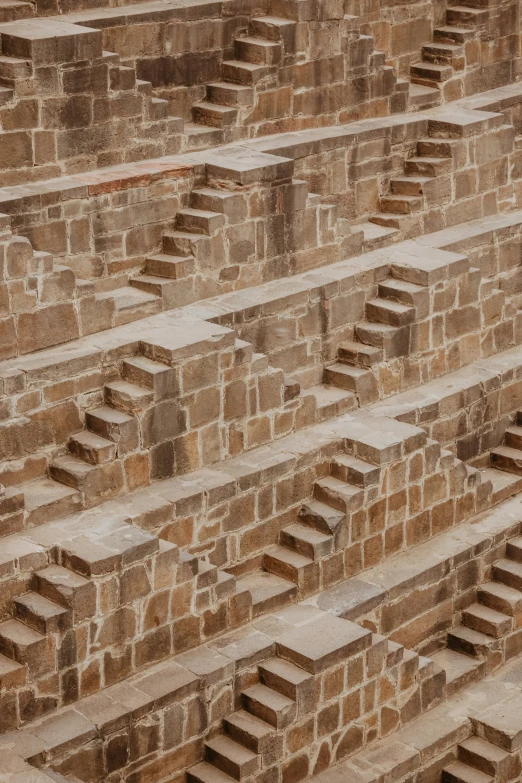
439	76
293	685
482	761
257	58
127	124
423	184
488	627
293	567
63	628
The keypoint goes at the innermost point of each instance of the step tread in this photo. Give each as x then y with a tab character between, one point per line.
74	465
285	670
201	213
338	485
91	439
19	633
305	533
127	297
208	773
486	612
44	492
268	697
286	555
265	587
507	451
250	723
484	749
509	565
128	388
390	304
254	39
353	370
465	774
110	415
214	108
228	747
455	664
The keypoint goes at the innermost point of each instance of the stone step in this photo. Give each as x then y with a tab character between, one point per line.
436	148
199	221
488	621
507	458
25	646
470	642
269	705
213	114
346	498
431	74
321	517
241	72
443	53
514	549
501	597
260	51
164	289
407	294
355	471
92	448
183	243
230	94
231	758
409	186
394	341
172	267
423	97
323	642
375	236
47	500
353	352
291	681
401	205
274	28
250	731
89	557
199	137
503	485
289	564
460	669
465	16
115	425
269	592
207	773
72	472
488	758
158	109
230	203
394	220
127	397
330	401
149	374
12	674
453	34
457	772
41	614
358	380
509	573
68	589
14	69
131	304
513	437
306	541
390	312
427	166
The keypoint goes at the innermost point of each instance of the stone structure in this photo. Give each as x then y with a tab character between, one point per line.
260	391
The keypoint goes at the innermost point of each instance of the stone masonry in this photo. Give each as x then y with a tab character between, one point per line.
260	391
